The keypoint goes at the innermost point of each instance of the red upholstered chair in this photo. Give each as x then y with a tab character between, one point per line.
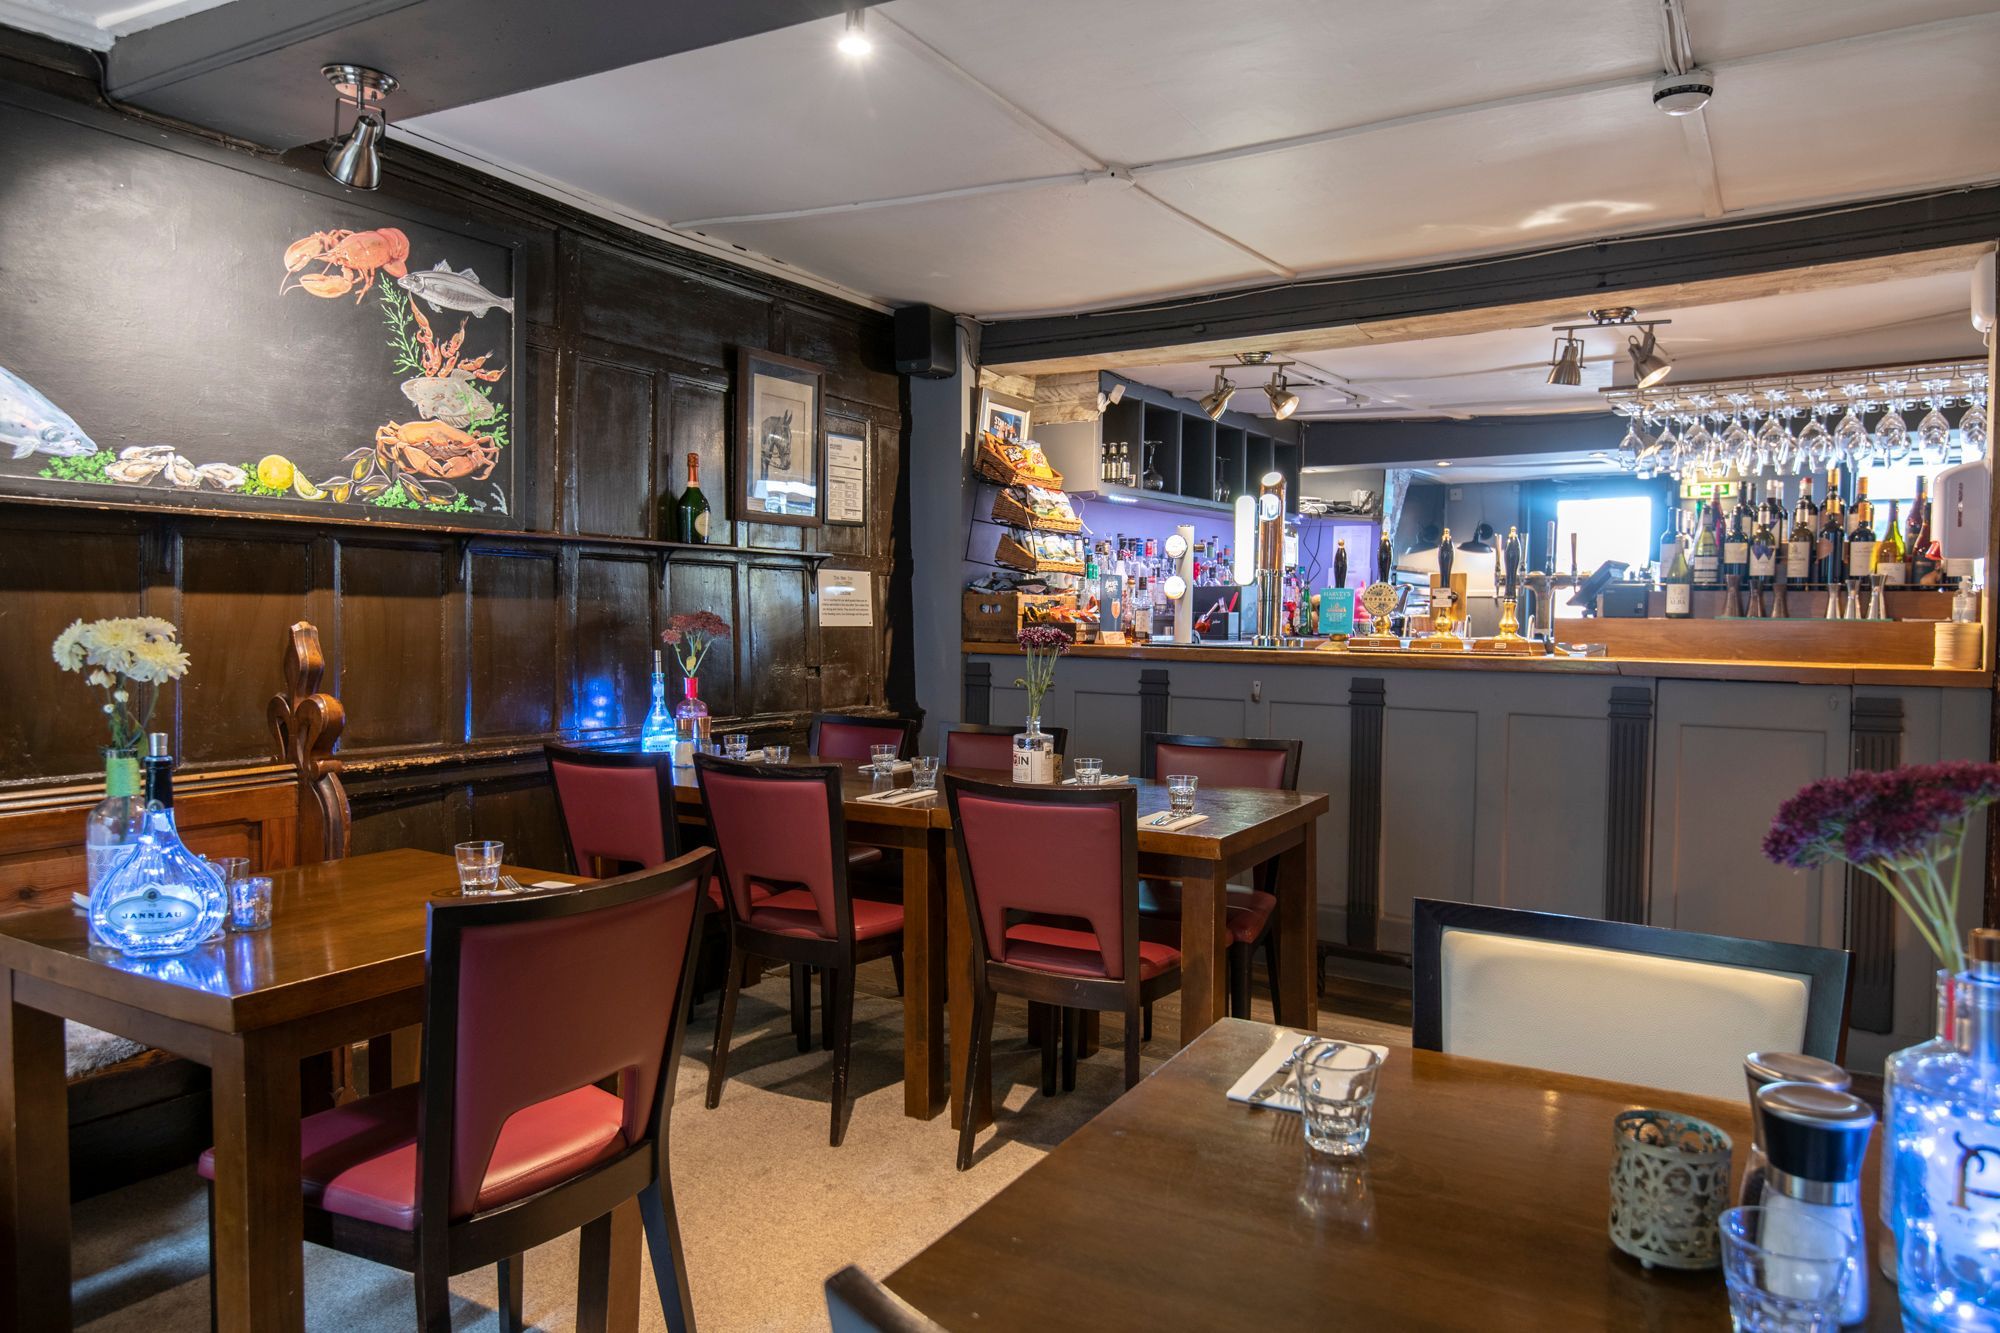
1051	878
509	1141
781	830
1221	761
970	745
848	735
617	809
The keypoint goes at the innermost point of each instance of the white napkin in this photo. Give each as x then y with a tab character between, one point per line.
552	884
900	796
1283	1042
1108	780
1172	825
900	766
80	901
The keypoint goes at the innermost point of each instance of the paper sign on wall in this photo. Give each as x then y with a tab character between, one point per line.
846	598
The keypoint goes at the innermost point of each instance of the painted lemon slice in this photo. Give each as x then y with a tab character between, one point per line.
304	489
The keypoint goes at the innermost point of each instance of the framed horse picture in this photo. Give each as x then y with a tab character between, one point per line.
780	445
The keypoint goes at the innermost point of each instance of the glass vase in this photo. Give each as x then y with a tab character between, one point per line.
691	721
160	898
1034	753
116	822
1896	1072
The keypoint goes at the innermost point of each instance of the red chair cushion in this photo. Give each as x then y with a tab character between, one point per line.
1249	910
715	904
360	1160
793	913
1074	953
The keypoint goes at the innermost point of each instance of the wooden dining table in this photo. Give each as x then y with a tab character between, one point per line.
1482	1201
343	961
1242	828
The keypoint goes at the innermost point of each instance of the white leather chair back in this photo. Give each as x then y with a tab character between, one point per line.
1604	1013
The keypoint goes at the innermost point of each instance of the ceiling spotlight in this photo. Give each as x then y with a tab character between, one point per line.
1106	397
355	158
1216	401
854	39
1567	365
1283	401
1650	364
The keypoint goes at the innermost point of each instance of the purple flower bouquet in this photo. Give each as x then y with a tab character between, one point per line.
1042	645
1904	827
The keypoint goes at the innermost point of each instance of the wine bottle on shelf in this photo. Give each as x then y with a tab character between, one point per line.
1736	543
1891	564
693	506
1917	537
1707	552
1680	585
1861	538
1832	550
1799	547
1763	552
1670	540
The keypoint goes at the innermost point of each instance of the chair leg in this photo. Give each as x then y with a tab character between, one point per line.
663	1242
208	1193
433	1286
1149	1020
826	1015
843	1044
718	1063
593	1274
1278	1014
1072	1037
978	1064
510	1293
802	1011
1051	1034
896	962
1131	1049
1239	980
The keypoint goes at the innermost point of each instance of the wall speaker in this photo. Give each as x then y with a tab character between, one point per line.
926	342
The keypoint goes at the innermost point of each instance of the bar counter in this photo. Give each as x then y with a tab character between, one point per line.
1632	788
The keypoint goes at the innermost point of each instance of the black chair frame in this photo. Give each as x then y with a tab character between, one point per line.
991	978
440	1248
835	959
663	774
1828	972
903	730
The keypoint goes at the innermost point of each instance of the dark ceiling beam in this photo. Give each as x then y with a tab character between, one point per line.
250	69
1380	443
1867	230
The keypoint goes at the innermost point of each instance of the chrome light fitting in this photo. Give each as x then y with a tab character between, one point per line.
1566	367
854	39
1216	401
1650	362
355	159
1283	401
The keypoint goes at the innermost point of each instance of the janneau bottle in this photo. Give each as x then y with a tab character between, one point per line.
656	736
693	505
160	898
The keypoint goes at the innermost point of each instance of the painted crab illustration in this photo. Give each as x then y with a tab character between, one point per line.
447	390
347	259
422	458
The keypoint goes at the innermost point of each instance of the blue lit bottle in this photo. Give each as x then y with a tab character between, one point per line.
161	898
1946	1135
657	736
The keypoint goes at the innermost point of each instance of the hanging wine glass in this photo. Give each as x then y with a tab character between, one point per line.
1892	433
1970	441
1668	447
1737	443
1632	446
1774	437
1934	431
1850	438
1815	444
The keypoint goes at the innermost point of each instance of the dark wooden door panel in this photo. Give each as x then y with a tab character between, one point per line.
394	619
238	597
515	643
705	585
697	423
612	646
851	349
778	604
611	471
636	301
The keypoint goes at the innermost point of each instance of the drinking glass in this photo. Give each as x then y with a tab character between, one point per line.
1336	1087
1784	1271
882	758
736	745
250	902
479	866
924	771
1089	772
1180	792
777	754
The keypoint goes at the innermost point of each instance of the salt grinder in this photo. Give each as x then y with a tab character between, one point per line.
1814	1141
1760	1069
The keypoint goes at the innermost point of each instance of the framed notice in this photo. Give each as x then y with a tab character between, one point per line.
780	461
846	598
846	479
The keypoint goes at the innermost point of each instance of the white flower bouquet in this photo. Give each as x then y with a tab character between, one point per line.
129	659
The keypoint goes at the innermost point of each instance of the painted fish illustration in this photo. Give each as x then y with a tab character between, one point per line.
31	424
441	289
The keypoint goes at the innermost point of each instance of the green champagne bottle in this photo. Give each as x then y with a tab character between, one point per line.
694	505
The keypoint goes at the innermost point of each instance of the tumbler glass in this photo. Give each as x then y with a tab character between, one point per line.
924	771
1336	1087
1089	772
1180	792
882	758
479	866
1784	1271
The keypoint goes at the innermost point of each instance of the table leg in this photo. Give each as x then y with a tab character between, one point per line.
34	1169
607	1277
1204	951
259	1258
923	978
958	967
1298	930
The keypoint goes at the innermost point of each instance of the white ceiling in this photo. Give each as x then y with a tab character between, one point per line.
1506	372
95	23
1065	154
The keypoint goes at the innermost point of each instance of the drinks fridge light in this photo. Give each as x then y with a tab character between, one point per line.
160	898
694	505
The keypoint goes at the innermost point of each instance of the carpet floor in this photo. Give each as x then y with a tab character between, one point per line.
767	1209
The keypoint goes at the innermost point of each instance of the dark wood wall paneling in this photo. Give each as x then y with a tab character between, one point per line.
456	654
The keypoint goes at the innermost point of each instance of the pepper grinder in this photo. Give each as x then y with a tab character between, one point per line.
1814	1141
1760	1070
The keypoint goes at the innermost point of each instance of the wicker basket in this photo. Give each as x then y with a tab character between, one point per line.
1015	554
991	462
1008	510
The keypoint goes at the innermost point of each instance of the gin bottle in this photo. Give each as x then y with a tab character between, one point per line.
160	898
657	736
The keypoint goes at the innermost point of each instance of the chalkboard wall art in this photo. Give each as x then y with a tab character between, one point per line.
200	328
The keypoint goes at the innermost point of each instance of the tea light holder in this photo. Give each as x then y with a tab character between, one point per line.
1669	1185
250	903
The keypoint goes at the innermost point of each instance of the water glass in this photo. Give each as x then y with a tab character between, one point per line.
250	902
777	754
736	745
882	758
924	771
1336	1088
1089	772
231	868
1180	792
1784	1271
479	866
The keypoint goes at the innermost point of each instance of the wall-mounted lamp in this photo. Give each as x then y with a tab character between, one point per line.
355	159
1216	401
1106	397
1566	367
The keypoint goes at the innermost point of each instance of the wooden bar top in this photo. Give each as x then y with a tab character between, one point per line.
1792	673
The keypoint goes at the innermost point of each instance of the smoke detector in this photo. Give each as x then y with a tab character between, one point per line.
1683	94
